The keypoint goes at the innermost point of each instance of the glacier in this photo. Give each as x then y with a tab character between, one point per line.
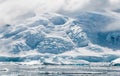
116	62
52	38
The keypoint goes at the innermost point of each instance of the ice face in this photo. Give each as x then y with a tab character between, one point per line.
17	48
78	36
97	32
33	35
54	45
32	40
58	38
116	62
64	61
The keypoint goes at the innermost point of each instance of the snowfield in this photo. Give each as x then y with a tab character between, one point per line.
52	38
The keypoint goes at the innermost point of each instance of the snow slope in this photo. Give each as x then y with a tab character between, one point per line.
57	39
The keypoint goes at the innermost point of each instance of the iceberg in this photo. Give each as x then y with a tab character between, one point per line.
64	61
116	62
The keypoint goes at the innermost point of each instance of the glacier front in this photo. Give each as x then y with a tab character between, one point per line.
52	38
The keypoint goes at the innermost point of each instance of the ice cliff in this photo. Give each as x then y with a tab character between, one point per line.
58	39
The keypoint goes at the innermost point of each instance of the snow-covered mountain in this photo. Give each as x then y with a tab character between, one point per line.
52	38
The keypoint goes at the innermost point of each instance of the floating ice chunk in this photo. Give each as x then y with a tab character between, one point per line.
37	62
116	62
64	61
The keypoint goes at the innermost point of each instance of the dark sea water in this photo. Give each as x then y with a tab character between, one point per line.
94	69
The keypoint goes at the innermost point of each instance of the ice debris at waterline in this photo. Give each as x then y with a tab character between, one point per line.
57	39
116	62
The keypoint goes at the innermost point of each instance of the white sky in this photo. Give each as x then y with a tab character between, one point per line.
11	10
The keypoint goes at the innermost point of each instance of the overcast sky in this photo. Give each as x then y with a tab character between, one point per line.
12	10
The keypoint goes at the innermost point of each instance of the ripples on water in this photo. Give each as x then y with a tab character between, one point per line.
94	69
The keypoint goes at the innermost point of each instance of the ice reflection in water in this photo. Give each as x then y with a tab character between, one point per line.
94	69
